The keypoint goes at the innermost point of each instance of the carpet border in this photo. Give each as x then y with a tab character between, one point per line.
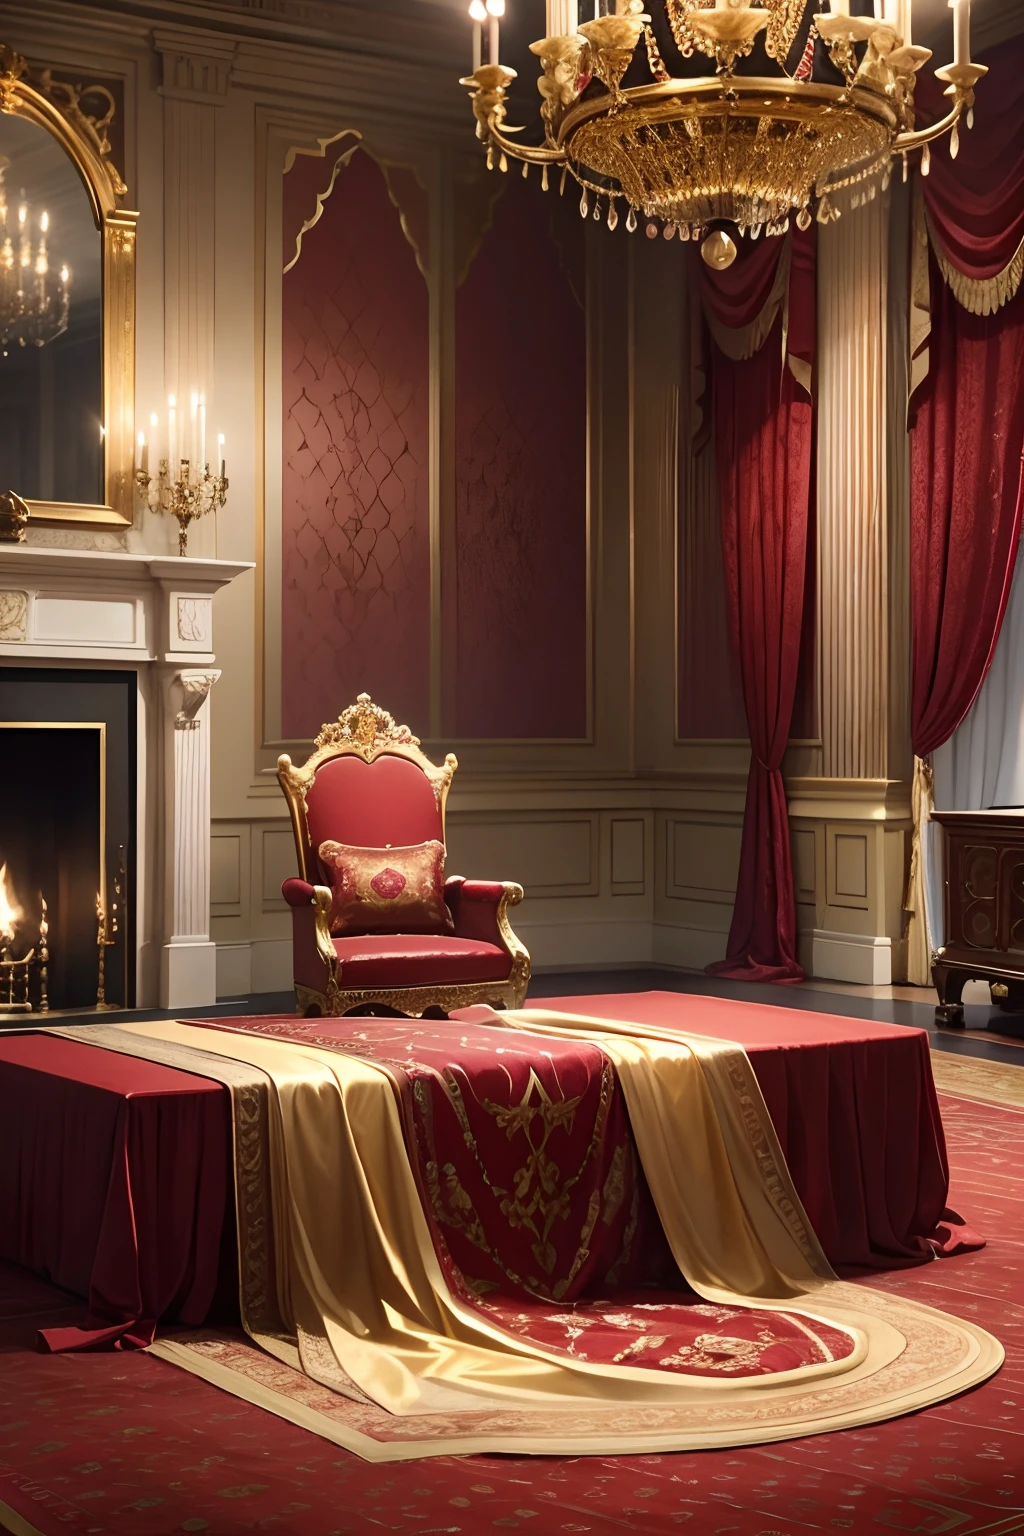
998	1083
16	1524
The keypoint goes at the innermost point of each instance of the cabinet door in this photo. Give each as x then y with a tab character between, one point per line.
972	892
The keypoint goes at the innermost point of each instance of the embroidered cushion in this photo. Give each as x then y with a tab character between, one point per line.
387	890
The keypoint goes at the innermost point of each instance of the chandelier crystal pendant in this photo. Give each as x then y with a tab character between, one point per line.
35	297
687	155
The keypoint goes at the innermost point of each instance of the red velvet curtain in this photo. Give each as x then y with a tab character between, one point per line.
967	428
763	425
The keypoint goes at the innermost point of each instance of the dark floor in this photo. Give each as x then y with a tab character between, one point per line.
988	1034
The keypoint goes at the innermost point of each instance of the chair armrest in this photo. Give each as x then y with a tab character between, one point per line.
479	910
479	890
314	956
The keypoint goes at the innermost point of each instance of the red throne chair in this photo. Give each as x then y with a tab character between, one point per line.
374	921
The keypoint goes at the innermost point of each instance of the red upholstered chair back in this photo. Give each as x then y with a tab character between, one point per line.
390	800
366	784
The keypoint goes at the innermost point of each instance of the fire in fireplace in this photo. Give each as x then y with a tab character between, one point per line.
67	814
23	972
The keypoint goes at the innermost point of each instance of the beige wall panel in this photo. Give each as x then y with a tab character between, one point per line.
556	856
849	866
276	864
226	874
628	838
703	859
851	860
802	843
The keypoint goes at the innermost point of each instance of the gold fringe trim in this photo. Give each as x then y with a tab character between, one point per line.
979	295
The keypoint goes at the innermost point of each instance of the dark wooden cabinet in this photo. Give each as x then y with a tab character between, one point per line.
984	907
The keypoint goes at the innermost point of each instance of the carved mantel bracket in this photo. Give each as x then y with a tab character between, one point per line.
189	692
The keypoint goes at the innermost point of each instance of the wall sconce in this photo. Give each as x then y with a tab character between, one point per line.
183	485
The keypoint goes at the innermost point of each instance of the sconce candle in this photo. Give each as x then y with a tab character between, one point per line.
478	15
183	485
495	8
961	30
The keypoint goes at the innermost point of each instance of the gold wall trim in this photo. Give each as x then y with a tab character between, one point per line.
60	109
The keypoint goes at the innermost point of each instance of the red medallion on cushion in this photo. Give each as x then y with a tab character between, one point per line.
387	890
388	884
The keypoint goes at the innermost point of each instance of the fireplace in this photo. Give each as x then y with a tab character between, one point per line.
67	836
103	636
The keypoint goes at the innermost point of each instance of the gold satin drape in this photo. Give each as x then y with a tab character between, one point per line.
365	1309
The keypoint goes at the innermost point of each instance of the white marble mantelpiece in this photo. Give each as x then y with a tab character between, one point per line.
152	613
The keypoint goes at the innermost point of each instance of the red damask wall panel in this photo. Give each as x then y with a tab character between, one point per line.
515	575
355	592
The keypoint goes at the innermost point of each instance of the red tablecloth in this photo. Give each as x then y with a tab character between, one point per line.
854	1106
114	1180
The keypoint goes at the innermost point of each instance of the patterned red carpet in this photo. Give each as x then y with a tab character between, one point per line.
125	1445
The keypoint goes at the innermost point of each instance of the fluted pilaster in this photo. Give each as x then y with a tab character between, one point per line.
853	557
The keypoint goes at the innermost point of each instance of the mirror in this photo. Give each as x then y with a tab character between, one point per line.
51	315
67	302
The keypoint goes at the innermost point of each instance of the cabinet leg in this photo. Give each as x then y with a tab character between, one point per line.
949	984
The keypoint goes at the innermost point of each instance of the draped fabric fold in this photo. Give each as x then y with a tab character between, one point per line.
966	428
975	203
370	1312
764	430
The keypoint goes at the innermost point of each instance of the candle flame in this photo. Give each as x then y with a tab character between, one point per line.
10	912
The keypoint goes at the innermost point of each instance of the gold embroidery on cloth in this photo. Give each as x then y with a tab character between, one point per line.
717	1352
540	1195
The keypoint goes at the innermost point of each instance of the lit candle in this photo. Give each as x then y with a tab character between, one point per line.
220	452
478	15
202	429
193	428
840	7
961	31
495	8
172	435
143	453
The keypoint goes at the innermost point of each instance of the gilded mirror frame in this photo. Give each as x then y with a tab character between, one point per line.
61	109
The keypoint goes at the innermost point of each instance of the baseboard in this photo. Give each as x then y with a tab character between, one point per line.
862	958
265	965
260	965
687	949
608	944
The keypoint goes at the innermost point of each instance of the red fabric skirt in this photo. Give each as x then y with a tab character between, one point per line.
114	1183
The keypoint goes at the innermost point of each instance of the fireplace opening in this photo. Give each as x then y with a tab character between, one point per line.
67	856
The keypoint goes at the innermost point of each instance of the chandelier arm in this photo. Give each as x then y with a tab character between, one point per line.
907	141
533	154
961	78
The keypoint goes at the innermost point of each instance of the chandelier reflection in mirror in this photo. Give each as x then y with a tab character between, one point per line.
688	153
35	294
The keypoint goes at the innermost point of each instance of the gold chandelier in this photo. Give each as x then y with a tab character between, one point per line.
35	299
689	154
